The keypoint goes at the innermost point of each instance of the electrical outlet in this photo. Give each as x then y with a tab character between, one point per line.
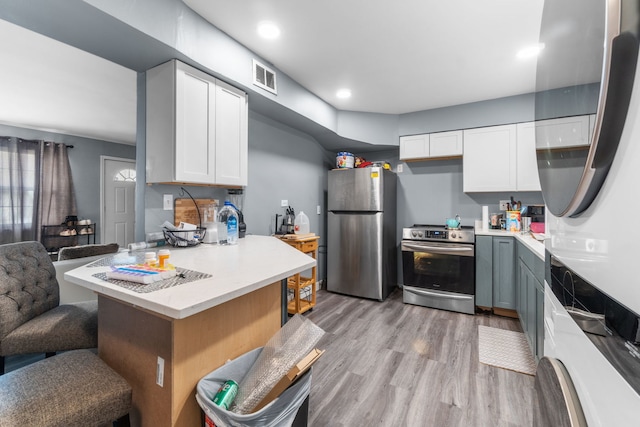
503	205
284	203
399	168
167	203
160	372
318	210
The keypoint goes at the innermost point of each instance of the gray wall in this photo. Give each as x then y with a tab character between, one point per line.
284	164
512	109
85	165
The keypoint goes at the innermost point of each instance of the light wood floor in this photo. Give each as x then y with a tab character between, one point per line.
394	364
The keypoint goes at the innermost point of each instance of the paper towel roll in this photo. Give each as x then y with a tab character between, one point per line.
485	217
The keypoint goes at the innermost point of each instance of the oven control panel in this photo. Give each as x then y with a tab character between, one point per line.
436	233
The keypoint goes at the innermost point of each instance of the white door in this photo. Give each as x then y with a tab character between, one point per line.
118	200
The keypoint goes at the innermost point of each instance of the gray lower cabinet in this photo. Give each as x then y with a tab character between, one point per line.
510	276
504	290
484	271
530	291
495	272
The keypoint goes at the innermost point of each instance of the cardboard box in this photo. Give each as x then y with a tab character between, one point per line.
296	372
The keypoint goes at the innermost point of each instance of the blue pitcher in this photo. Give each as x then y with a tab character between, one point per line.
453	222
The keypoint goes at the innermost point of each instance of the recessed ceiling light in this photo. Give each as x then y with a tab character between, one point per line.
343	93
268	30
531	51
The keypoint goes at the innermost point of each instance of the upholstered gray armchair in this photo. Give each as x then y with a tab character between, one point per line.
31	317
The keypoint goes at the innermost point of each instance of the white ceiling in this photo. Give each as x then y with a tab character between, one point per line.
51	86
395	56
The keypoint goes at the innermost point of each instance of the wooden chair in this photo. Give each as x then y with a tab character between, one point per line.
31	317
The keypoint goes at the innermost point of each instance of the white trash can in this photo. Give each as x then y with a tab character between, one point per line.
281	412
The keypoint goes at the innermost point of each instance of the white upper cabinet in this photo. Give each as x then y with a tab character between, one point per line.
414	147
565	132
429	146
527	164
445	144
197	128
231	135
489	162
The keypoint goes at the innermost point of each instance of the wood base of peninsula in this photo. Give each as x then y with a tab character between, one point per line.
131	340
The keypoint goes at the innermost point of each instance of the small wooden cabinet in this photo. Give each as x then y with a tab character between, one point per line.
300	304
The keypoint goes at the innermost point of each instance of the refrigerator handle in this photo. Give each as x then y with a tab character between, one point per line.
354	212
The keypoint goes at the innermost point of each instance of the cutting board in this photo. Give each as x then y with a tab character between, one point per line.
298	236
185	211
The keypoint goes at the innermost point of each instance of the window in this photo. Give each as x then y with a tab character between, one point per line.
18	182
125	175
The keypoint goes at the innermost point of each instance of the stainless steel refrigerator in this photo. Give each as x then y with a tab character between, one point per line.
361	241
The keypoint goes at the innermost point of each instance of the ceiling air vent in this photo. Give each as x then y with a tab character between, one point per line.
264	77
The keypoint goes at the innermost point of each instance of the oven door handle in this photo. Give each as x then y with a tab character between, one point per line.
444	250
438	294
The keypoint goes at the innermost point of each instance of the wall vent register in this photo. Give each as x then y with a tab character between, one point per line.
264	77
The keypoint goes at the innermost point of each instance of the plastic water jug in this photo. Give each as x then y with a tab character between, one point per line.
228	219
301	224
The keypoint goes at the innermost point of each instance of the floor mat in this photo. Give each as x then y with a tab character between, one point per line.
505	349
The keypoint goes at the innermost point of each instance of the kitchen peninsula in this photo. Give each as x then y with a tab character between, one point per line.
163	342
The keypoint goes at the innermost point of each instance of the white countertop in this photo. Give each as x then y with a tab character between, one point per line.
536	246
255	262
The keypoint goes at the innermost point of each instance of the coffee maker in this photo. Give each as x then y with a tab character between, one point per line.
535	212
236	197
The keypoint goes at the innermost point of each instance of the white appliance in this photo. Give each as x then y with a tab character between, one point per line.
589	232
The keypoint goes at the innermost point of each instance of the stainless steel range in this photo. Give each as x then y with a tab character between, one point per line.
438	265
